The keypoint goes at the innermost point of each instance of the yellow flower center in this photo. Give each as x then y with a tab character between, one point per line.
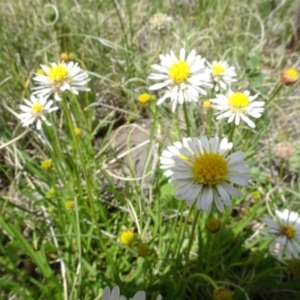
46	164
77	131
210	169
206	104
213	225
127	237
239	100
180	72
142	250
64	56
291	74
223	294
294	267
217	70
37	107
288	231
58	73
69	204
144	98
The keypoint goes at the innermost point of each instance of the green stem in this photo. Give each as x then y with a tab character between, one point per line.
276	90
165	130
182	225
178	124
78	237
247	136
162	40
187	122
209	122
211	240
207	278
281	169
198	275
236	264
231	132
192	238
117	5
262	275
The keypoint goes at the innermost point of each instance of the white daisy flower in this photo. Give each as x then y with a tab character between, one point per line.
59	77
35	110
139	296
286	231
184	78
222	74
142	296
237	106
201	171
115	295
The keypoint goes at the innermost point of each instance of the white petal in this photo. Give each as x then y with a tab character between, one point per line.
115	293
106	294
224	195
139	296
182	54
158	86
207	198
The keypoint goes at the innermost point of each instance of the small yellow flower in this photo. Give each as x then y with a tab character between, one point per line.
223	294
144	99
289	76
77	131
46	164
213	225
127	237
293	267
64	56
142	250
206	105
69	204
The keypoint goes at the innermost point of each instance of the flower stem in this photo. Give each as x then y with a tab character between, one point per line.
231	132
165	130
276	90
264	274
180	231
281	169
198	275
192	238
187	122
209	122
207	278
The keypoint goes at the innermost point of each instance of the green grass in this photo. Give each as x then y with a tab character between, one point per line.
50	252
